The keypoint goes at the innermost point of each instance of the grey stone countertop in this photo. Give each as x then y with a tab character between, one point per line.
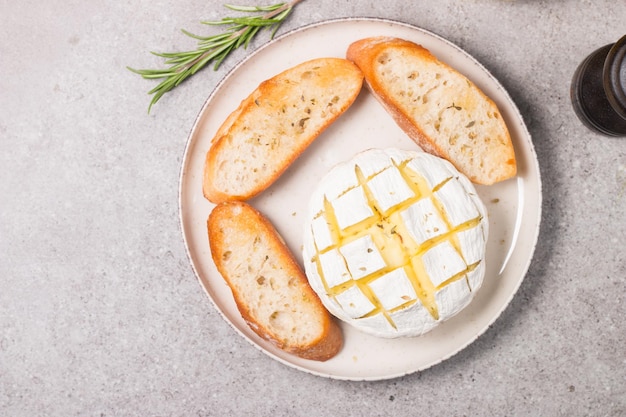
101	313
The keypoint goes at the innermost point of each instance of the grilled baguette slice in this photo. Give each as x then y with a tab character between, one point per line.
269	287
438	107
275	124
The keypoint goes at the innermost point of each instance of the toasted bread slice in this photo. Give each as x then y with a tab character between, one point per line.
438	107
275	124
269	287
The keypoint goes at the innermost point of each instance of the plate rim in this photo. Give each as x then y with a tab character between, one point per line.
517	116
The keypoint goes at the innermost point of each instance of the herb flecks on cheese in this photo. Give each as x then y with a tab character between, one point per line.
403	235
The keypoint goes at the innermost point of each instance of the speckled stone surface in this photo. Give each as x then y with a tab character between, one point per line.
101	313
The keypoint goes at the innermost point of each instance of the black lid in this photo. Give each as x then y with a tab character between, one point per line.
615	77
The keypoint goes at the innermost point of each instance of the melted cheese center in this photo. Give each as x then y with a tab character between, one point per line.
392	241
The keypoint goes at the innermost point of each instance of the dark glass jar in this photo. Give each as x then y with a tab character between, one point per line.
598	90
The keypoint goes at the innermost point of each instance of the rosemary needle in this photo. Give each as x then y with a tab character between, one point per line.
214	48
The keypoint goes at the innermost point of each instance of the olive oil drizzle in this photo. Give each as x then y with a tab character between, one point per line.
394	243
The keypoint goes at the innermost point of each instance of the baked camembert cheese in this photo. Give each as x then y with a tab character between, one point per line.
395	242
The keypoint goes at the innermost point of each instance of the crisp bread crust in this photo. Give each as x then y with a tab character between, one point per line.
480	147
273	126
238	234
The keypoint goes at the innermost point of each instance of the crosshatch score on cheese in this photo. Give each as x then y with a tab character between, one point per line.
395	242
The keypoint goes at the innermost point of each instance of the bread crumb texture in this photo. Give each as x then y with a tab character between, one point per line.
269	287
275	124
440	108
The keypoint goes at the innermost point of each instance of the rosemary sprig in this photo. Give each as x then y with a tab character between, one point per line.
215	48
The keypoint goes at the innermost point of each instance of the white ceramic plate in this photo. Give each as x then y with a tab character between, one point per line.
514	206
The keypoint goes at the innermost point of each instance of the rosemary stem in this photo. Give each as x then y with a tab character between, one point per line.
240	31
237	34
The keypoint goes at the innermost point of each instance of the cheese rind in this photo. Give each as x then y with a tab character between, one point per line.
362	257
389	189
395	242
442	262
394	289
334	268
351	207
423	221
